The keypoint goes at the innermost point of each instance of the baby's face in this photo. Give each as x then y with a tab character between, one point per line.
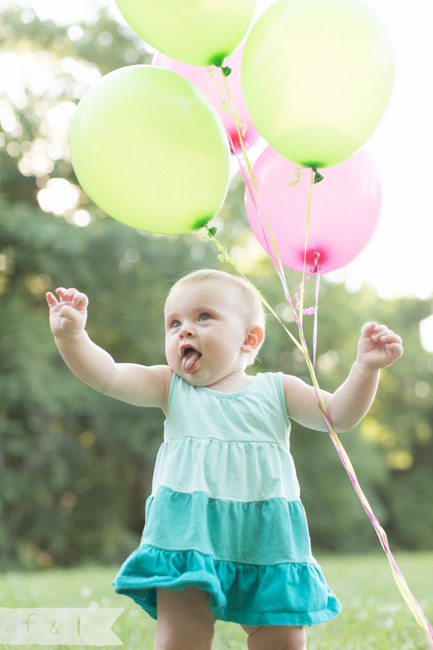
205	329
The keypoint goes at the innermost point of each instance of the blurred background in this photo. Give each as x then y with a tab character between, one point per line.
75	466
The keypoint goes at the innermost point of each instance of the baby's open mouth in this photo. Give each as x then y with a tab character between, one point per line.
190	359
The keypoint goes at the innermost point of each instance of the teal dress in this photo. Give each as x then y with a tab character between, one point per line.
225	513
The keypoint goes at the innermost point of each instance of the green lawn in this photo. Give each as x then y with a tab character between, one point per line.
374	616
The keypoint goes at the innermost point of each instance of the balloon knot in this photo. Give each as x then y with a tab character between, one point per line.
316	258
317	177
224	255
225	70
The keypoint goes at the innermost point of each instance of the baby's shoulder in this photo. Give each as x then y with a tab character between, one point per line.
295	389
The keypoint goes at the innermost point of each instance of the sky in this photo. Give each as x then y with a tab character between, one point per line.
398	259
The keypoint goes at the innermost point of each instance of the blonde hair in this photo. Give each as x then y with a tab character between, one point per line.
256	315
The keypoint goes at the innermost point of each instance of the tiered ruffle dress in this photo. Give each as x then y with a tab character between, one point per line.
225	513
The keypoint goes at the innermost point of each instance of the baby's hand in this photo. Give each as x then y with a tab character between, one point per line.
378	346
67	316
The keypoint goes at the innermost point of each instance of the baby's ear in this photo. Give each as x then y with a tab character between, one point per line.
253	339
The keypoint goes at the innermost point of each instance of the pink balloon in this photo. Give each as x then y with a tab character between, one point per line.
345	210
199	76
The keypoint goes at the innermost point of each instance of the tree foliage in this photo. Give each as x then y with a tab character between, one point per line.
75	466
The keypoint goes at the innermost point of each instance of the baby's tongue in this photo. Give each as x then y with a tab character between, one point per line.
189	361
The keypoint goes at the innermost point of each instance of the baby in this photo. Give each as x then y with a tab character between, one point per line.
226	535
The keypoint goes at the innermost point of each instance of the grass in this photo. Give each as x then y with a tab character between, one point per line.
374	617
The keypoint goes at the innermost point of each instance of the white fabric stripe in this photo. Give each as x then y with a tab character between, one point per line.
253	471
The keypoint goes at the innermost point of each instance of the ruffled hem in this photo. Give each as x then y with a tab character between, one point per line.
281	594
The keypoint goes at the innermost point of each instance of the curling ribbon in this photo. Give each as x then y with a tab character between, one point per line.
227	105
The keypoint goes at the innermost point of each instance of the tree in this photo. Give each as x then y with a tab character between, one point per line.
76	466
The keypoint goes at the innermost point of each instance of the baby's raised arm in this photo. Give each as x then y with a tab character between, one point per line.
131	383
378	347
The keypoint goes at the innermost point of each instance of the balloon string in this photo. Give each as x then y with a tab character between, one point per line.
410	600
312	310
316	319
307	232
401	583
241	127
224	256
251	185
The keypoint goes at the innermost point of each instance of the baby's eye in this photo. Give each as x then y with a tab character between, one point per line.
205	316
175	323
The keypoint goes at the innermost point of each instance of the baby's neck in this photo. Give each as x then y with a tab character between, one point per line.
232	383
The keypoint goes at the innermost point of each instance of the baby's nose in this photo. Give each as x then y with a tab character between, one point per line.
186	331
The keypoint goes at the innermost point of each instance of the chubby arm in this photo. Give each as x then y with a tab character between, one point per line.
131	383
378	347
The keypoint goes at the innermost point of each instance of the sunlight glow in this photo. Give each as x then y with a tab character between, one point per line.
426	333
59	196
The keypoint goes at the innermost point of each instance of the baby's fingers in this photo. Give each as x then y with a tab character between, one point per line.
61	292
388	336
396	350
51	299
69	313
66	294
74	297
378	331
395	339
80	300
368	329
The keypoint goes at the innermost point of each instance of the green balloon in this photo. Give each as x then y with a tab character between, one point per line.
149	149
317	76
201	32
